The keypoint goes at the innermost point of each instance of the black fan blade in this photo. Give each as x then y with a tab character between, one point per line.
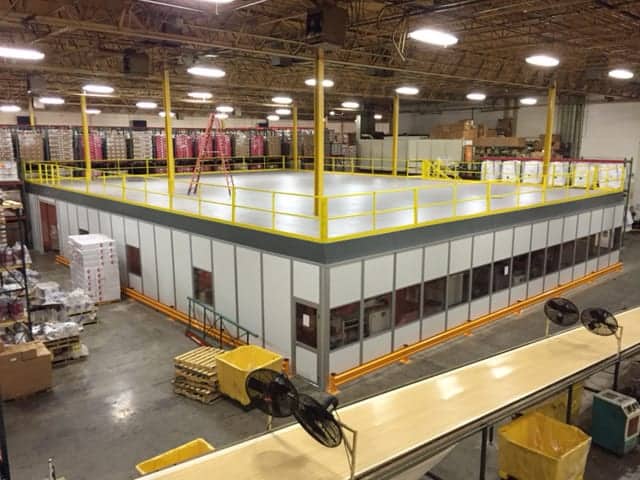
562	312
318	423
599	321
271	392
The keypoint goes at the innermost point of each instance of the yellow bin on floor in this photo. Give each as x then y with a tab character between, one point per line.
183	453
537	447
233	368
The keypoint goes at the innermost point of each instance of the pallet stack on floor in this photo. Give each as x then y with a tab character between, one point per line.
196	376
65	350
94	267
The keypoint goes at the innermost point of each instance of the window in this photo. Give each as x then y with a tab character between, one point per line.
307	325
480	281
519	272
407	304
605	242
458	289
344	325
553	259
433	296
568	250
537	264
203	286
377	314
133	260
594	246
617	238
82	231
582	245
501	274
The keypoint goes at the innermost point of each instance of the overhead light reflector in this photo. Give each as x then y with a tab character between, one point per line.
200	95
528	101
9	108
224	109
51	100
407	90
98	89
542	60
352	105
377	116
147	105
273	118
222	116
282	100
434	37
326	83
21	53
164	114
93	111
332	113
621	73
283	111
209	72
476	96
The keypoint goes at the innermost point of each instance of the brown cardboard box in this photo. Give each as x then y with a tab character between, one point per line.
24	369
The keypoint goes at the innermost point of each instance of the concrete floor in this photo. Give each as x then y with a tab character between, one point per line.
351	202
106	414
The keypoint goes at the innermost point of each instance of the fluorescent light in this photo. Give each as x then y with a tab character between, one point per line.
476	96
147	105
224	109
542	60
273	118
282	100
51	100
352	105
434	37
407	90
332	113
97	88
21	53
210	72
621	73
222	116
377	116
200	95
164	114
326	83
9	108
528	101
283	111
93	111
221	2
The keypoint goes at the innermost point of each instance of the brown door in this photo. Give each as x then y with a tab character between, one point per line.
49	221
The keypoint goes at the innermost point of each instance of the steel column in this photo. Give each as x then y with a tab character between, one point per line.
171	167
318	115
548	139
395	130
5	473
483	454
294	139
32	113
85	140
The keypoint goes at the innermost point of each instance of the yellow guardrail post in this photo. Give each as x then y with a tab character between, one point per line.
294	139
318	131
488	196
273	210
146	166
39	172
374	207
415	205
395	129
118	164
123	187
324	218
233	204
200	200
517	191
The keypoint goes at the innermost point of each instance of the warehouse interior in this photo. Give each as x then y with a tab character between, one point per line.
343	239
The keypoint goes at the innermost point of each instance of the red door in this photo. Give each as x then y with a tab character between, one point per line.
49	221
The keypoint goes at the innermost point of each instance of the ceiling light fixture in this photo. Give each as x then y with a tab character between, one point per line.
224	109
377	116
282	100
332	113
528	101
93	111
21	53
164	114
9	108
91	88
407	90
147	105
542	60
352	105
51	100
621	74
222	116
283	111
209	72
222	2
476	96
326	83
200	95
273	118
434	37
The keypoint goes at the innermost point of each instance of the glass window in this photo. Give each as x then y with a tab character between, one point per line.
501	274
82	231
133	260
617	238
203	286
345	325
433	297
594	245
537	264
407	304
377	314
568	250
307	325
553	259
480	281
582	245
520	268
458	289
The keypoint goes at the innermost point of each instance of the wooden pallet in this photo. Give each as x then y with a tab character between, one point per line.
196	375
201	360
204	397
62	343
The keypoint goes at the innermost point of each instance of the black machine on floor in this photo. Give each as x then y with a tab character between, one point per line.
273	394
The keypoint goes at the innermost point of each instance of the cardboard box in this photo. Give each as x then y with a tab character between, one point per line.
24	369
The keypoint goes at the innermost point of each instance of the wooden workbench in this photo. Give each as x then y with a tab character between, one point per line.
394	423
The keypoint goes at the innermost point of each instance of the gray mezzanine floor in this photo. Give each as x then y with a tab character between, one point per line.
116	408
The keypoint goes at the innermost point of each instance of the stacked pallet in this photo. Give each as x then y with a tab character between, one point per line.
94	267
60	144
31	146
116	145
196	375
65	350
142	145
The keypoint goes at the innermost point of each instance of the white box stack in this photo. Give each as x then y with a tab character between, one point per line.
94	266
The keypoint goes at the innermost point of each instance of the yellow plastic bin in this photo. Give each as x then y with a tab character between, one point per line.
233	368
556	407
537	447
183	453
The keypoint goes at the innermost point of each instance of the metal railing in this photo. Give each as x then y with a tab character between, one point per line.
216	326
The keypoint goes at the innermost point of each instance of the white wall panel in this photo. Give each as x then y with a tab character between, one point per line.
596	220
306	281
503	244
375	347
131	231
555	231
408	268
164	253
570	225
580	270
94	223
583	224
224	280
36	222
518	293
457	315
83	219
535	286
460	258
482	249
603	261
592	265
105	223
345	284
344	358
73	219
276	277
378	275
201	252
63	227
479	308
406	335
148	260
618	216
539	236
249	294
615	257
566	275
521	240
117	224
499	300
607	222
551	281
433	325
135	282
306	363
182	269
436	261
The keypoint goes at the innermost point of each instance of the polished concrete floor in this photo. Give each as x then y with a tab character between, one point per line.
284	201
106	414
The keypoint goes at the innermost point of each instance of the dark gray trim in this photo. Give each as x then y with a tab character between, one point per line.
337	251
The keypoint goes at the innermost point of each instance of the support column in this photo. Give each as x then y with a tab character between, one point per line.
171	167
318	134
395	132
548	139
32	113
85	140
294	140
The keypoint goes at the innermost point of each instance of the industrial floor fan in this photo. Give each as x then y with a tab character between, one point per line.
273	394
